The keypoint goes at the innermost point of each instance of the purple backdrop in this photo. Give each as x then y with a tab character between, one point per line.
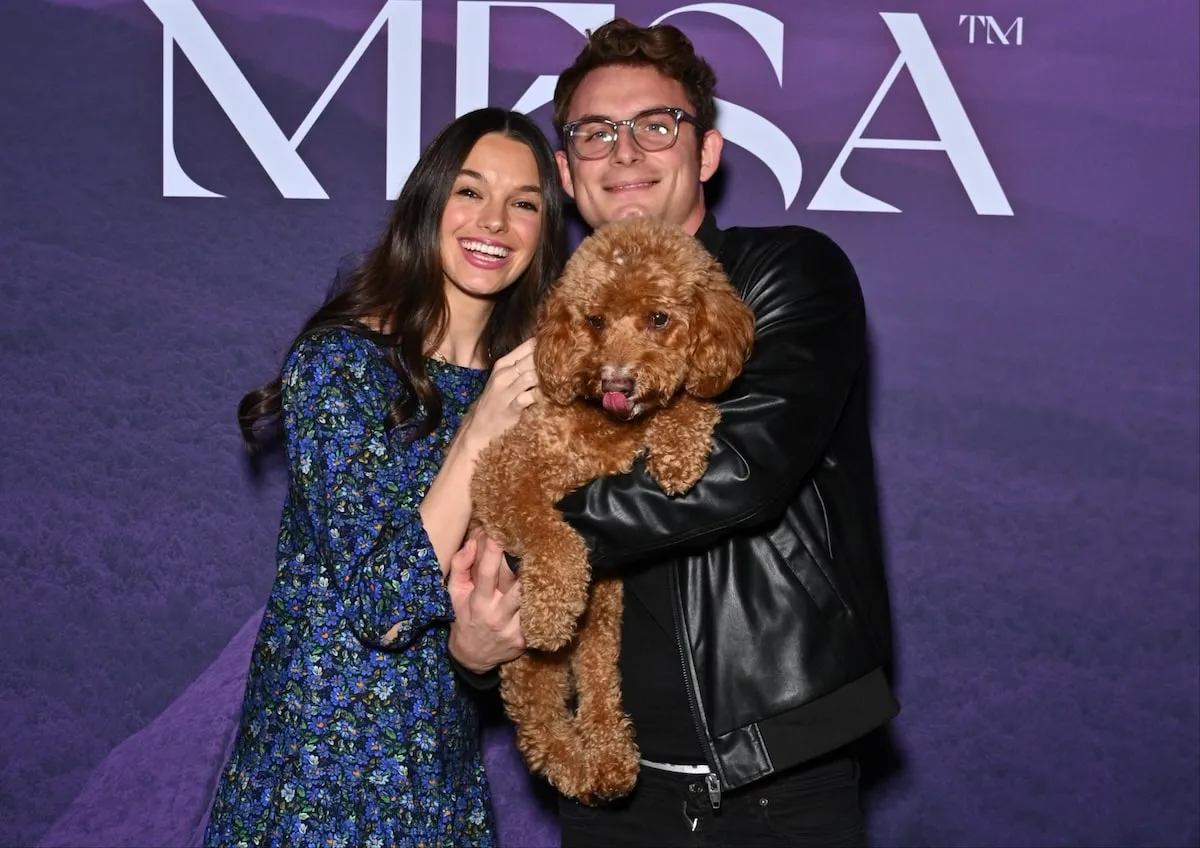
1036	404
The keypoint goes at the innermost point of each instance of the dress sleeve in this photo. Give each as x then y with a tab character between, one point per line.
359	501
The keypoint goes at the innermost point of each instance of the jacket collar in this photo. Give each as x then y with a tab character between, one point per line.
709	234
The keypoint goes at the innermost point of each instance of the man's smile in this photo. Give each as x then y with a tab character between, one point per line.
631	185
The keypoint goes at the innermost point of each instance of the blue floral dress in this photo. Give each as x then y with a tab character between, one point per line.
344	741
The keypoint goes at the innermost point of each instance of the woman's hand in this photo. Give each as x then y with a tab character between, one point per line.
511	389
446	508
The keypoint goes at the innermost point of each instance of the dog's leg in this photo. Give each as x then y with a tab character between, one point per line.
536	688
516	485
554	578
605	732
679	440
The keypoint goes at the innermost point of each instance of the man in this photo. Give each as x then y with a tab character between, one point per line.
757	632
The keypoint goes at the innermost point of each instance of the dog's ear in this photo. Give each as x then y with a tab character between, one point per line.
722	336
559	349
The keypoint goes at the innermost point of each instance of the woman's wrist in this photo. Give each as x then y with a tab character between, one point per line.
468	445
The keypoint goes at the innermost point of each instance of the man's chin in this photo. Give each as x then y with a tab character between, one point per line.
608	216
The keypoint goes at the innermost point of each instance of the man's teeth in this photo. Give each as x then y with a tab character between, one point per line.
489	249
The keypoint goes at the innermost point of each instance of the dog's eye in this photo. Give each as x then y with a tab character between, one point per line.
596	321
658	320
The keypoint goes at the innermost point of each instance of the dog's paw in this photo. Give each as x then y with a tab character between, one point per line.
612	770
677	472
565	767
556	753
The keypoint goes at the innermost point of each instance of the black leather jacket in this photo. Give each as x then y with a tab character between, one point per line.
780	601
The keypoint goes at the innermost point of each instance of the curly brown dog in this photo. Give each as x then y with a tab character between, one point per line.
642	327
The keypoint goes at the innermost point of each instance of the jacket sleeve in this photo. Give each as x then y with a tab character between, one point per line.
480	682
776	419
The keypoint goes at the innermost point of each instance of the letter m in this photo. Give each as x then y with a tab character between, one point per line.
993	28
184	26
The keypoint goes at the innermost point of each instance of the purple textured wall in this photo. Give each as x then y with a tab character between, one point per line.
1036	405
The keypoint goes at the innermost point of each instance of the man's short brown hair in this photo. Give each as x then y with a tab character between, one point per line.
664	48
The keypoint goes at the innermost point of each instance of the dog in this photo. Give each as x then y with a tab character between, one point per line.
640	331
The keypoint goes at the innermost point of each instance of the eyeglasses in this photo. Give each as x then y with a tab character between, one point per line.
654	131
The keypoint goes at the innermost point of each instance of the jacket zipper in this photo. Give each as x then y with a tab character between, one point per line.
711	781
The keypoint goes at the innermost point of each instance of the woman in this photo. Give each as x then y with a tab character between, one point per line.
354	729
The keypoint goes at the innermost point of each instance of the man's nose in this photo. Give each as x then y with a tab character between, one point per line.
625	149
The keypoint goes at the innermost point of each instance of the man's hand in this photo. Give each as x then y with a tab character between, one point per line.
486	596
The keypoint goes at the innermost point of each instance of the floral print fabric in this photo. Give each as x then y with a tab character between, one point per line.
345	740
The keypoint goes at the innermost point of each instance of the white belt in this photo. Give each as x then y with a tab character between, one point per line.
677	769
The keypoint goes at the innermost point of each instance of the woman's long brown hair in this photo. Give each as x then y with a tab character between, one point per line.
400	285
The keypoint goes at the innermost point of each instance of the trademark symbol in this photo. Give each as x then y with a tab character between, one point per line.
990	31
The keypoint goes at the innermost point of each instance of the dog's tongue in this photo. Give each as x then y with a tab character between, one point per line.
616	402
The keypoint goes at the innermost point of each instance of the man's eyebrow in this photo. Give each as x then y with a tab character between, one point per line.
467	172
658	108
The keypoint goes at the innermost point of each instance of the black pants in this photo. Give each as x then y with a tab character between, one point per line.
811	806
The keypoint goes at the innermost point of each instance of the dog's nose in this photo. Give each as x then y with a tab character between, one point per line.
617	383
